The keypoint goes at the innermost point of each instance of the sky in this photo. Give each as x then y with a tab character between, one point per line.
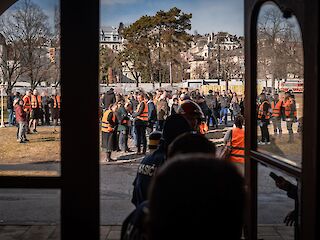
208	15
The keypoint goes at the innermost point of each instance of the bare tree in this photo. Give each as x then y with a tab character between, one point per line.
279	46
10	61
26	28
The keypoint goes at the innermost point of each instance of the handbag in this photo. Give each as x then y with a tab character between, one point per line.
226	150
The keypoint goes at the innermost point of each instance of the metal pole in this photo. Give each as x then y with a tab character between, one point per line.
219	63
159	73
170	67
2	107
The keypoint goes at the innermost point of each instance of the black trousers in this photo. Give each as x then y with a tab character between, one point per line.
265	132
141	136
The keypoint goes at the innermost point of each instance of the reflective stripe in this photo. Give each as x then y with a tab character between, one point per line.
276	108
56	102
237	145
35	101
288	110
105	125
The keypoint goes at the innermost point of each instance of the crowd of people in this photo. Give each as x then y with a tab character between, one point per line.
139	113
27	111
276	108
182	184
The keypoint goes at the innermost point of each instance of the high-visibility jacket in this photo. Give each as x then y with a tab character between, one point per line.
144	115
26	103
276	108
56	102
261	113
290	109
237	146
203	128
35	101
105	125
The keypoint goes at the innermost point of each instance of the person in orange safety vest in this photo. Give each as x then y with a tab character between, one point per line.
109	124
141	123
277	113
56	106
290	111
36	108
264	119
235	140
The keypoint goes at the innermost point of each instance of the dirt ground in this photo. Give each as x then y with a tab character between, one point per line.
44	147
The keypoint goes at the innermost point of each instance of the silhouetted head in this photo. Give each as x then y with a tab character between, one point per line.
238	121
191	143
196	197
174	126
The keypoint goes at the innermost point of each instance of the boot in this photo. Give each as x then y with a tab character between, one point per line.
109	159
138	151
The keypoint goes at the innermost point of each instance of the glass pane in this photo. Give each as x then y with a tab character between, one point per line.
170	51
278	205
280	85
30	92
29	214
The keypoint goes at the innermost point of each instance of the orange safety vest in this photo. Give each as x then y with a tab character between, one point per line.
288	109
261	113
26	103
144	115
105	125
237	146
203	128
57	102
35	101
276	108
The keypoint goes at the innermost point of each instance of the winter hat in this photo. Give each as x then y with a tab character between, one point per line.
154	139
174	126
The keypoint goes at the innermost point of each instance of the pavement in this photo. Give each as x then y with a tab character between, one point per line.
31	208
52	232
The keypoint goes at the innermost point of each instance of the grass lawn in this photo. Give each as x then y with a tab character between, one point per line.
43	147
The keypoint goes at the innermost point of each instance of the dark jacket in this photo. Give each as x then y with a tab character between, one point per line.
224	101
211	101
109	98
9	102
122	115
152	112
134	227
146	171
134	103
174	109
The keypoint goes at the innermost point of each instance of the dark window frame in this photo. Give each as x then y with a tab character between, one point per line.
307	15
79	181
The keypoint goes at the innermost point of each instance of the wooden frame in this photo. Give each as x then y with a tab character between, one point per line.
79	180
307	15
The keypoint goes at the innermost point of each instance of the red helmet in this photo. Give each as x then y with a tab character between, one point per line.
191	108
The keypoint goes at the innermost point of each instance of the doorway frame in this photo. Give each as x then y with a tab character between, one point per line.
307	16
